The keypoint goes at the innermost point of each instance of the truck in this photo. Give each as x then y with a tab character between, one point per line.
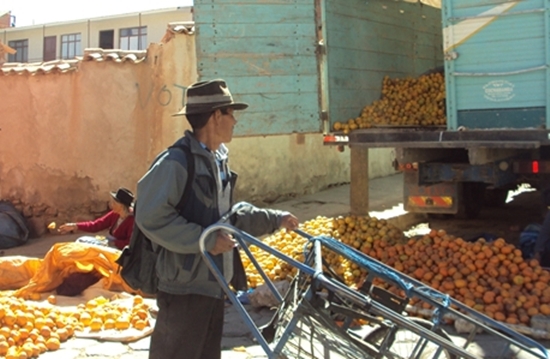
496	137
309	64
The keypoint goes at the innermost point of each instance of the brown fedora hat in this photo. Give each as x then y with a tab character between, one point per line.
207	96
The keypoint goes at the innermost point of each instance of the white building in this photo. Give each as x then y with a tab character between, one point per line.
66	40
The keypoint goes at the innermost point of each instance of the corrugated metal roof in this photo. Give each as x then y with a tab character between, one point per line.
118	56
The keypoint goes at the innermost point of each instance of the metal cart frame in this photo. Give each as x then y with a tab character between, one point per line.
304	325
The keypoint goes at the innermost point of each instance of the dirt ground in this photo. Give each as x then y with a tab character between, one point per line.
507	221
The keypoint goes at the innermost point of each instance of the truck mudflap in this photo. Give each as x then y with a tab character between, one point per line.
436	198
431	201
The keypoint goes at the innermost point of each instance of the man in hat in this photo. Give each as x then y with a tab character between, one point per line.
191	302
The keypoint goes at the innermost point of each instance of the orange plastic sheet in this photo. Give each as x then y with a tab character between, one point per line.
33	275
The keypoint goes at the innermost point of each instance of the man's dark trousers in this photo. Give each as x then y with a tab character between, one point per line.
187	327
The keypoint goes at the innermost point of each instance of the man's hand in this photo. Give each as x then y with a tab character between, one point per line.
289	221
224	243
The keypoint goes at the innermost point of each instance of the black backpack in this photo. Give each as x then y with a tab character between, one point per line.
13	228
138	259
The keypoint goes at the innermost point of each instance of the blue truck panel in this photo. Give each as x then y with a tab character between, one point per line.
267	53
270	54
367	40
487	93
496	63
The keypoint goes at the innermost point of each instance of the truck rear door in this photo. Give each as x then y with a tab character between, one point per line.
496	63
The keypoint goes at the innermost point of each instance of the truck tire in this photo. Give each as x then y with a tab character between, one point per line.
471	200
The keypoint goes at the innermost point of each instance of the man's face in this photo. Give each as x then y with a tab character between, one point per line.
226	124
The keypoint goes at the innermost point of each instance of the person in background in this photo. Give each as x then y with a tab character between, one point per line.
542	245
119	220
190	319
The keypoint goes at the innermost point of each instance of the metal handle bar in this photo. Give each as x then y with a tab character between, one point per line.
243	238
225	286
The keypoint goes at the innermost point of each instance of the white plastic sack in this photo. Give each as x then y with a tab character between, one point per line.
263	297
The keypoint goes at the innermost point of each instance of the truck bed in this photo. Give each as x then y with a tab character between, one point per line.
437	137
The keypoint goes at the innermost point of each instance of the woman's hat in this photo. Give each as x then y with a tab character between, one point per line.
207	96
124	196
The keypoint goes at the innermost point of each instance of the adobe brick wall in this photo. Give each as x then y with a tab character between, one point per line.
5	20
68	138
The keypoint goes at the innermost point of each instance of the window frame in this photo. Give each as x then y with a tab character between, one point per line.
126	41
46	51
70	46
22	48
102	36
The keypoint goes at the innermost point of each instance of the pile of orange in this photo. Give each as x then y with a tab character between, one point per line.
490	277
408	101
356	231
28	328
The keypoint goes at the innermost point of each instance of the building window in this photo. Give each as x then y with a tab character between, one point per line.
49	48
107	39
133	38
22	48
70	46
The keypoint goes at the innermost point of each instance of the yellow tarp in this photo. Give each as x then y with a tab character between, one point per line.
32	275
16	271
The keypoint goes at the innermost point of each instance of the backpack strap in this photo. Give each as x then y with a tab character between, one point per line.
190	175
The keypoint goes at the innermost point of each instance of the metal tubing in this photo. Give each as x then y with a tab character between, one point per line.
262	273
402	321
225	286
430	295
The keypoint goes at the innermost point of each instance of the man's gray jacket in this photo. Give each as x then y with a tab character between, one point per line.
180	267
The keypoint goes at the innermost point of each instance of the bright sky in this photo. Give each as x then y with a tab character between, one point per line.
35	12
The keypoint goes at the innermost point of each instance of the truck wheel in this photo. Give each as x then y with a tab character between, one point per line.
472	200
495	197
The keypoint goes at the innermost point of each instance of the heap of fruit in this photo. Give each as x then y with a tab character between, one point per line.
490	277
360	232
404	102
29	328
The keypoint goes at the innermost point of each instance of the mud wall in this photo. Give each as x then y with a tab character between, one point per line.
68	138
